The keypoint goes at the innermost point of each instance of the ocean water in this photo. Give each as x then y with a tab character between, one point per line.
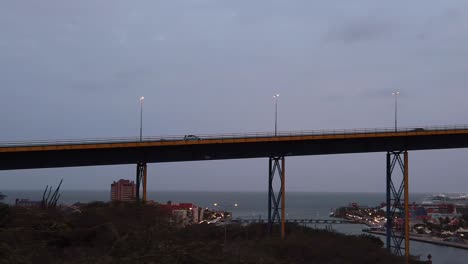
255	205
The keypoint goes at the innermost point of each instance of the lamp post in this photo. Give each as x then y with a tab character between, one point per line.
224	216
276	96
396	109
141	117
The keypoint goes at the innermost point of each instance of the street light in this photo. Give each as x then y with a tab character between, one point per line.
396	108
224	216
141	117
276	96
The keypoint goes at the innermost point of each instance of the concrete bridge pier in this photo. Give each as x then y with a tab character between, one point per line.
397	204
141	174
276	201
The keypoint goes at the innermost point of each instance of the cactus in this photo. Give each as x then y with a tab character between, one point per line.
51	202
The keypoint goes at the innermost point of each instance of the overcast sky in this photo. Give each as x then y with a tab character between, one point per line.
75	69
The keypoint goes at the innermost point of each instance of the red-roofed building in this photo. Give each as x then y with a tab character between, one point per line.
123	190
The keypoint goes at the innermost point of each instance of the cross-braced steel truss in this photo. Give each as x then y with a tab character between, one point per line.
276	201
397	203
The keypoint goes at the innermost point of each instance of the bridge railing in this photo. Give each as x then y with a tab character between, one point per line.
401	130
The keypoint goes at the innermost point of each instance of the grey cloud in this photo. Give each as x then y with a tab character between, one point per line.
334	98
85	86
454	14
441	23
360	30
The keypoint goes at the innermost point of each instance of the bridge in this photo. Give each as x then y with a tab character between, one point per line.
113	151
306	221
274	146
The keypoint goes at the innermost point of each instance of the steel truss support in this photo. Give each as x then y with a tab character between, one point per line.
141	174
397	204
276	166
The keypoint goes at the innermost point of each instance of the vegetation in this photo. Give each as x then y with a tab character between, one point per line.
132	233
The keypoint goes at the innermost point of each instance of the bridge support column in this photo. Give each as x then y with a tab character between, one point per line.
141	174
276	166
397	204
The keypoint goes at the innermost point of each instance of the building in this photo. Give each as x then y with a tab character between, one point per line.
28	203
185	213
123	190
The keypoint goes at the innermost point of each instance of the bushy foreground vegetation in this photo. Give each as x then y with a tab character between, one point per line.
130	233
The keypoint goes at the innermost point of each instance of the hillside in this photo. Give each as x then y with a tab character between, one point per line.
129	233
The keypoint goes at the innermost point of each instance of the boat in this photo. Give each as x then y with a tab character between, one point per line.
460	199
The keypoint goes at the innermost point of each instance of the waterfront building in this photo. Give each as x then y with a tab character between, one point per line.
186	213
28	203
198	214
181	217
123	190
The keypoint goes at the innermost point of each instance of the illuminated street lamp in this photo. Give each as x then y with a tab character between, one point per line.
276	96
224	216
396	108
141	117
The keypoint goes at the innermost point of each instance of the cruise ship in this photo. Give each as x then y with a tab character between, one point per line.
457	199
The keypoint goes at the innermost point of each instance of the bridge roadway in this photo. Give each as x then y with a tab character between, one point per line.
306	221
72	153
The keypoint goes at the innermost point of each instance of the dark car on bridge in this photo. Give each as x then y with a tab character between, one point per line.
191	137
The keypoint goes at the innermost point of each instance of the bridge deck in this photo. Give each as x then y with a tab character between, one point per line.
306	221
68	153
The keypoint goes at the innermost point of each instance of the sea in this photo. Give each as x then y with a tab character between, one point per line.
254	205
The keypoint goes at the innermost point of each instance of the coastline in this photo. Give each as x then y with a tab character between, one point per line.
425	239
